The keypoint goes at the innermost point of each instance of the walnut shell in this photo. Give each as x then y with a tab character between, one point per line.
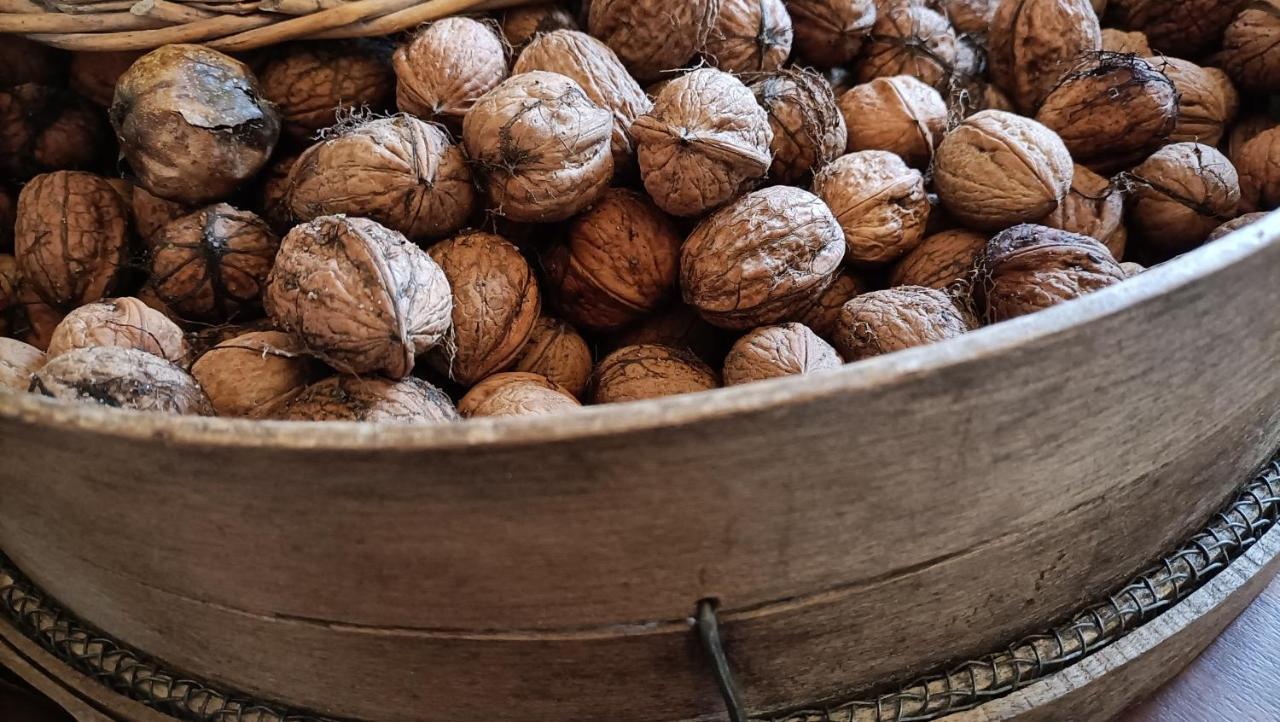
650	371
1028	268
808	129
124	378
26	61
1207	101
558	352
879	202
823	315
18	362
447	67
942	261
1132	269
705	141
544	166
1186	27
71	237
1236	224
997	169
911	40
273	195
1184	191
522	24
750	36
899	114
896	319
789	349
32	320
1033	41
1260	172
679	327
766	255
1244	130
371	400
358	295
152	213
651	36
516	394
1251	47
44	129
972	17
123	322
313	83
204	338
1111	110
495	305
1094	208
1119	41
193	123
829	33
401	172
255	373
94	75
10	282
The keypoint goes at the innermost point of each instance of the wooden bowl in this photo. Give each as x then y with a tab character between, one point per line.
858	528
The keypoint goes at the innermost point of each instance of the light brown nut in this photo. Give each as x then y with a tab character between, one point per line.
1260	172
879	202
788	349
1033	41
540	146
26	61
123	322
557	351
444	69
913	40
370	400
1236	224
1094	208
1119	41
522	24
896	319
45	129
253	374
193	123
313	83
516	394
358	295
705	142
829	33
151	213
18	361
1251	47
899	114
1187	28
808	129
943	261
123	378
1028	268
679	327
650	371
1183	192
1207	101
401	172
651	36
750	36
971	17
767	255
823	315
997	169
495	305
94	76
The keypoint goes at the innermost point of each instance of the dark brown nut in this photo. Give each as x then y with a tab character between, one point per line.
8	216
147	294
1132	269
44	129
765	256
1188	28
997	169
1094	208
911	40
1119	41
601	75
879	202
651	36
516	394
557	351
679	327
971	95
900	114
1244	130
151	213
255	373
370	400
26	61
1029	268
273	195
1251	47
495	305
358	295
823	315
768	352
94	75
212	265
124	322
971	17
522	24
1236	224
650	371
123	378
1207	101
10	282
943	261
829	33
897	319
1111	110
1183	192
32	320
705	141
71	237
206	337
808	129
447	67
1033	41
750	36
1260	172
18	362
313	83
542	166
401	172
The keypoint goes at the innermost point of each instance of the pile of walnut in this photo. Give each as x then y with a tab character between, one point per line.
606	201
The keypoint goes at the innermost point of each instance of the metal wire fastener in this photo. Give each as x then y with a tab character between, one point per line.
709	632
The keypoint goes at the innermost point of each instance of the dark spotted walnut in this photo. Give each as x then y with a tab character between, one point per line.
1029	268
897	319
516	394
370	400
123	378
789	349
650	371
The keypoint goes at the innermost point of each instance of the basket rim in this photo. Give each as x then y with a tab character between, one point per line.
665	413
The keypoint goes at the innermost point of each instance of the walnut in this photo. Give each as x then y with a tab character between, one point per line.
447	67
1132	269
651	36
371	400
768	352
401	172
997	169
204	338
1187	27
911	40
808	128
516	394
879	202
18	362
896	319
1236	224
750	36
1119	41
522	24
705	141
1094	208
823	315
766	255
44	129
8	216
26	61
313	83
900	114
152	213
829	33
601	75
942	261
1207	101
557	351
124	322
358	295
253	374
1184	191
71	237
969	95
124	378
273	195
1244	130
94	75
1260	172
147	294
679	327
32	320
650	371
1033	41
10	282
540	166
1251	47
495	305
1028	268
1111	110
212	265
972	17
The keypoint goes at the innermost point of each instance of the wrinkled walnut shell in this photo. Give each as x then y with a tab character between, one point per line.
808	129
1260	172
18	362
1251	47
879	202
829	33
370	400
94	76
204	338
447	67
900	114
516	394
273	195
557	351
123	322
1183	192
1119	41
1236	224
151	213
910	39
1029	268
313	83
1207	101
10	282
253	374
123	378
522	24
1033	41
896	319
679	327
1094	207
972	17
1187	27
942	261
823	315
789	349
44	129
651	36
750	36
650	371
